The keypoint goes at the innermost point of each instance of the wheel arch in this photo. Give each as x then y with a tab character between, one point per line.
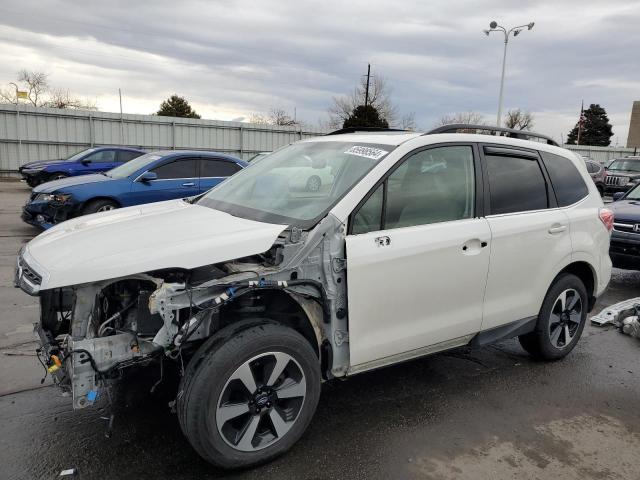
295	311
101	197
585	272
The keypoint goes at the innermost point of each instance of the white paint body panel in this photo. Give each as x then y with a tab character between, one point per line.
525	257
172	234
421	289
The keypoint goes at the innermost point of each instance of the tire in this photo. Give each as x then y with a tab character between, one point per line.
32	182
56	176
247	436
100	205
314	183
600	190
555	326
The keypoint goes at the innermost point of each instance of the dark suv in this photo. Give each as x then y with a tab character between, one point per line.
622	175
598	174
625	238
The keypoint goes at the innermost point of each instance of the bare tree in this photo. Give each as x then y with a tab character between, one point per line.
37	85
60	98
379	98
276	116
467	118
408	122
519	119
40	93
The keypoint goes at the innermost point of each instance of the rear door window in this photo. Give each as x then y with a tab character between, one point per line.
126	155
211	167
516	182
567	182
181	168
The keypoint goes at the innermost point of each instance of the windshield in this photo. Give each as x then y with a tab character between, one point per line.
627	165
298	184
633	194
79	155
132	166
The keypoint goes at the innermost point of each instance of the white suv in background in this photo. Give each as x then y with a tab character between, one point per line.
410	244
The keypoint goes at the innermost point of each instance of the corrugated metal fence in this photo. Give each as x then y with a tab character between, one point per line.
34	133
600	154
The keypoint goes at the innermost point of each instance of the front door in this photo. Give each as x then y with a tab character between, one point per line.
178	178
417	259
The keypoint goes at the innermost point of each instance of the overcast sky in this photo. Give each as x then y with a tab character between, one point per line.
231	59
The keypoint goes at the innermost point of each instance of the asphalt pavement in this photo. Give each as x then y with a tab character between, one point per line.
464	414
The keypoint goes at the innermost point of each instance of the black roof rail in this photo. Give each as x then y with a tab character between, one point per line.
365	129
521	134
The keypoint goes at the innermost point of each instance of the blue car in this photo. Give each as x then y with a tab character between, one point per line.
91	160
153	177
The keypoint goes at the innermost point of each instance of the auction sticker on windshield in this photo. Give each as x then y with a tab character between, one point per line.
367	152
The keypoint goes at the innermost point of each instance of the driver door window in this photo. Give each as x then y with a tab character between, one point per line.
431	186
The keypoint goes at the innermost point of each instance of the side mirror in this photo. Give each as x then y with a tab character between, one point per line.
86	162
617	196
148	177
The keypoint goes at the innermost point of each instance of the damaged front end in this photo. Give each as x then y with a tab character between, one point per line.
93	332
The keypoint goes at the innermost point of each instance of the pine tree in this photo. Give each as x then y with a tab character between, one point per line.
176	106
596	129
365	116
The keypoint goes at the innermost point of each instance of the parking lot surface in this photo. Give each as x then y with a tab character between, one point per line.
464	414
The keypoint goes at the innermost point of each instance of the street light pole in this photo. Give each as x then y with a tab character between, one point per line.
494	27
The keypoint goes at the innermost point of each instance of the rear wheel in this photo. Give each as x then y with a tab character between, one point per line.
248	396
101	205
561	320
600	190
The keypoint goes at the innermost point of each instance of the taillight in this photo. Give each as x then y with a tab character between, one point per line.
606	216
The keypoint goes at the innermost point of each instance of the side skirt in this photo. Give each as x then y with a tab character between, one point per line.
503	332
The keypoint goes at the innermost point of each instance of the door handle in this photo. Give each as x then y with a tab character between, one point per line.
382	241
557	228
189	184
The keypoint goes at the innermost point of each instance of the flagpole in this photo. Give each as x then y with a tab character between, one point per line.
580	122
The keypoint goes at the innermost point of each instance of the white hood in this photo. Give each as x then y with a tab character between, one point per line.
172	234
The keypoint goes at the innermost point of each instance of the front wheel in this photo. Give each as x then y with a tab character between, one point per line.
56	176
561	320
100	205
248	396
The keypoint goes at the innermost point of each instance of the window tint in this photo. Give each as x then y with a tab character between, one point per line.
369	216
182	168
126	155
217	168
434	185
102	156
515	184
567	182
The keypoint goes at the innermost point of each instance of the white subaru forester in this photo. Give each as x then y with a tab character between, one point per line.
411	244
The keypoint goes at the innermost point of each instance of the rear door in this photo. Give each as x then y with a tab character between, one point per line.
177	178
530	234
417	258
215	170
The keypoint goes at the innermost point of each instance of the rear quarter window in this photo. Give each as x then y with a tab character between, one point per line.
566	180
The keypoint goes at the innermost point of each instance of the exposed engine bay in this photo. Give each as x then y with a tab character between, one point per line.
92	333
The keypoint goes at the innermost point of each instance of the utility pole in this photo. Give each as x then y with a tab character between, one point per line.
121	120
366	90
